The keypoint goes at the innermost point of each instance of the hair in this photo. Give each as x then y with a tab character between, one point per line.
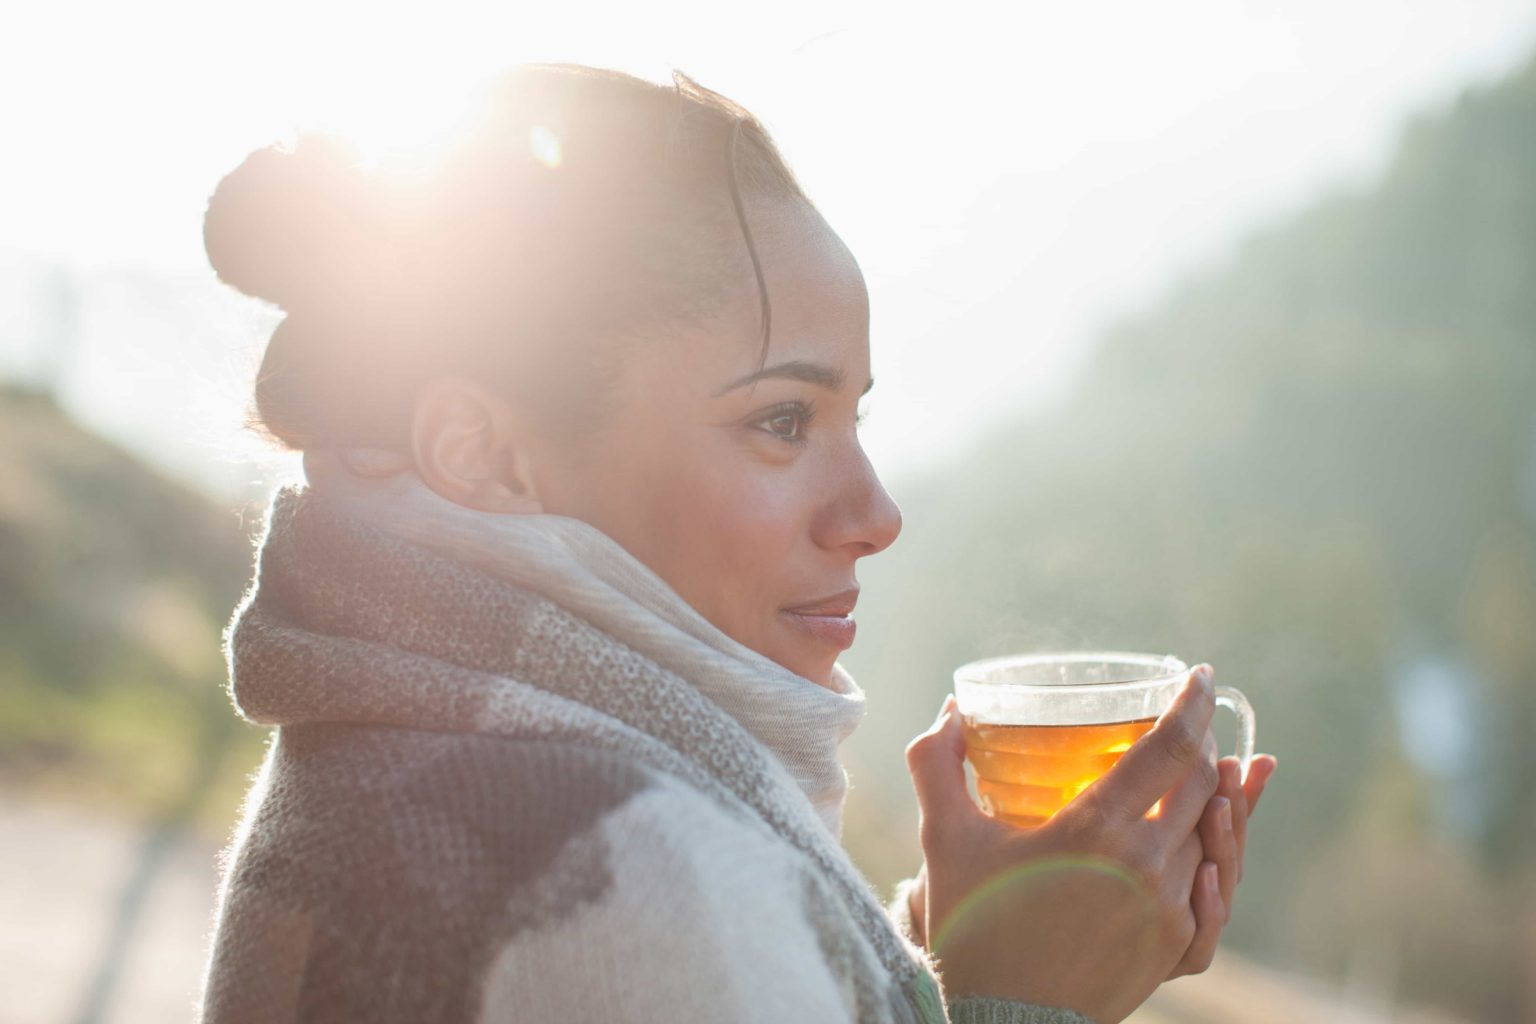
584	203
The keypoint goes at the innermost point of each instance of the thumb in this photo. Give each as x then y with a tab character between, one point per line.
936	760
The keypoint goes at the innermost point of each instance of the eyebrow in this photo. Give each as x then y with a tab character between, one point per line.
811	373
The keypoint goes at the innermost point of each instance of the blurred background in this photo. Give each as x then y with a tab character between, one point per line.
1205	328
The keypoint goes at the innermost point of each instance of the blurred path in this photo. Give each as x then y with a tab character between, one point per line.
1238	991
61	873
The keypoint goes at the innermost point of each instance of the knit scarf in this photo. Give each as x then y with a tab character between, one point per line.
378	602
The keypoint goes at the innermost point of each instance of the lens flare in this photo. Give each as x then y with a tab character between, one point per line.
1023	882
545	145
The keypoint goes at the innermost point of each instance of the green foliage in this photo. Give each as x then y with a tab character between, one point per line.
114	587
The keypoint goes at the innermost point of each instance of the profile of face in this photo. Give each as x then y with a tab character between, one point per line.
739	480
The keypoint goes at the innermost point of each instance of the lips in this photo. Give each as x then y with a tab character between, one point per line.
829	619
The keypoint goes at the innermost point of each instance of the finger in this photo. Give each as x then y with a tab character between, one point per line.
1185	863
1183	875
1260	769
1163	757
1206	901
1179	811
1231	787
936	761
1217	841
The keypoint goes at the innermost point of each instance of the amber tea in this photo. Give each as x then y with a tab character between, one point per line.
1039	729
1026	773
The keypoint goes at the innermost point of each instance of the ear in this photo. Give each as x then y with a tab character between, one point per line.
470	447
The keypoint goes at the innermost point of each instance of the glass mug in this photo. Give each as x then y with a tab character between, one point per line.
1039	728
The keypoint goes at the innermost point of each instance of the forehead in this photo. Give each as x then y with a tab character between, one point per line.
817	304
816	292
818	307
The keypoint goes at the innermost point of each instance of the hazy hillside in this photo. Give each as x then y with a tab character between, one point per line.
114	585
1315	467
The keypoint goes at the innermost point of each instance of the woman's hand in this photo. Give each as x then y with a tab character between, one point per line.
1096	908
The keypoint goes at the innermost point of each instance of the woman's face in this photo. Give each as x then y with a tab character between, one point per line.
741	482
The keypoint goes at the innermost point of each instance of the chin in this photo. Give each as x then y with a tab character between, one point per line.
823	675
817	669
799	650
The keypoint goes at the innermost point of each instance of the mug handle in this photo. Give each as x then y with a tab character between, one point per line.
1234	701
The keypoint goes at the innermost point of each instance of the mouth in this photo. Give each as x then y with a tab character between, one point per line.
829	619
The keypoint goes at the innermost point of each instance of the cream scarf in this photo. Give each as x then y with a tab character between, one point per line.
589	575
516	777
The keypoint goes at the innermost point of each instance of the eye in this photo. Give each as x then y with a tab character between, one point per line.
786	422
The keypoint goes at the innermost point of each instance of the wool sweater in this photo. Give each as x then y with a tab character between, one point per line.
514	779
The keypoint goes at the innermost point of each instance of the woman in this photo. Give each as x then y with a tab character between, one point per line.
551	635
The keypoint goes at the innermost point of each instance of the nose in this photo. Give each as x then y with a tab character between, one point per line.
861	518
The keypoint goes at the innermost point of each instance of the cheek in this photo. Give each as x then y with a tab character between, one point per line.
719	526
732	531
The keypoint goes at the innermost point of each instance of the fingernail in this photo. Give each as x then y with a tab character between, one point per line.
1224	813
1205	674
1211	876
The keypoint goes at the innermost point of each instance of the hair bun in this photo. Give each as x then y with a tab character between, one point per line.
285	223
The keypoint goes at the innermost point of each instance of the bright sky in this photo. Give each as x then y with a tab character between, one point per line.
1011	176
